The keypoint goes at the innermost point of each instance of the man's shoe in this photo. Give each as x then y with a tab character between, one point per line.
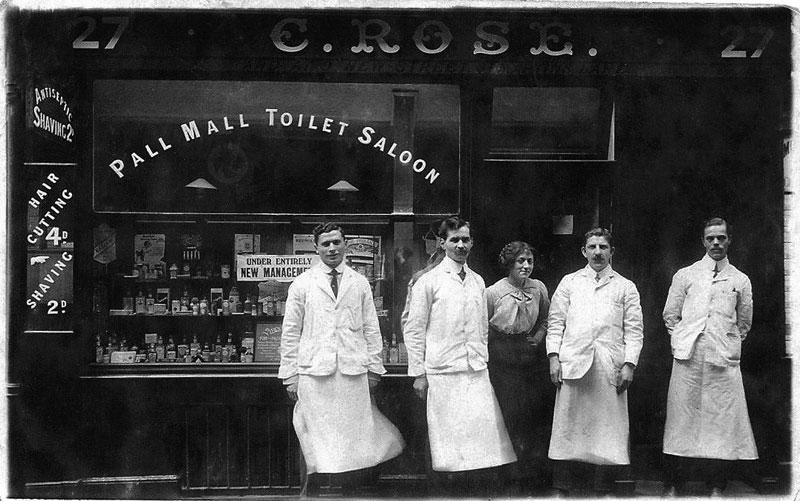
716	492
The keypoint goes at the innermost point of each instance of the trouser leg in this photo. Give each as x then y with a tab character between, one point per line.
674	471
716	473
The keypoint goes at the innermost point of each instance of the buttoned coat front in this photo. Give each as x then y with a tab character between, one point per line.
588	317
322	332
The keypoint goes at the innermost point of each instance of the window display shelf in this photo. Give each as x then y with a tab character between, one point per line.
268	370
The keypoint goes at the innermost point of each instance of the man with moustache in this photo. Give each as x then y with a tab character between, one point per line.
594	337
446	336
331	363
708	313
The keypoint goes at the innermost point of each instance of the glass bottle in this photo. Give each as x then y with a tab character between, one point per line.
194	348
98	351
170	352
160	352
394	353
151	354
150	303
140	303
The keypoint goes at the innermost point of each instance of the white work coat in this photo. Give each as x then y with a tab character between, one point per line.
322	332
447	328
588	316
721	307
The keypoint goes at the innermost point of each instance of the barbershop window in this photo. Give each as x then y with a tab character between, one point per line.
551	124
275	147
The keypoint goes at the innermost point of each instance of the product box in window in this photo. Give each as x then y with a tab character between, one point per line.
268	342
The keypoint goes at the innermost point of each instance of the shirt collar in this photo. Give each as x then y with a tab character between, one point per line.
451	266
709	263
327	269
605	272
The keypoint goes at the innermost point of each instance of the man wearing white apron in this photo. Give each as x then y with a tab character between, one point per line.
708	313
331	362
446	336
594	337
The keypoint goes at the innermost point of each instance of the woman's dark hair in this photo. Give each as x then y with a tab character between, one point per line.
511	251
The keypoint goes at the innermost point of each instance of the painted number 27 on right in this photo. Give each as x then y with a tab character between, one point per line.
736	34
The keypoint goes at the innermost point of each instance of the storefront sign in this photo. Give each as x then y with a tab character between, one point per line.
50	248
190	131
258	267
50	113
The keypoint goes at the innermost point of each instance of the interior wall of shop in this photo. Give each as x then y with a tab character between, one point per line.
686	149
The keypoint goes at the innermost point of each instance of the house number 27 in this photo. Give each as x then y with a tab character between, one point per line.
83	42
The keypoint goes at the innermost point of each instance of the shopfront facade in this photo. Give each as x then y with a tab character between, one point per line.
161	162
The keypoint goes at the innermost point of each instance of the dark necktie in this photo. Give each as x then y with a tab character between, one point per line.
462	274
716	270
334	283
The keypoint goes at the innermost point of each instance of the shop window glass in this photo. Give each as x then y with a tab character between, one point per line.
215	147
550	123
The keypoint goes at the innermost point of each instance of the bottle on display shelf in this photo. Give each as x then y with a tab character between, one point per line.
254	306
151	354
195	306
141	307
231	347
98	351
248	305
185	300
218	347
385	351
170	352
182	351
224	355
233	299
204	306
206	354
123	345
226	307
394	352
194	348
150	303
160	351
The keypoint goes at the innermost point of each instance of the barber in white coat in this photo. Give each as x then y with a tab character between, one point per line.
594	337
331	361
446	336
708	313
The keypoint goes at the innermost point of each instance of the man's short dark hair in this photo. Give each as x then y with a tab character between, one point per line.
451	224
599	232
325	228
718	221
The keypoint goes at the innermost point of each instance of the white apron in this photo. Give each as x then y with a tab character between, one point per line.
338	426
590	421
706	410
465	425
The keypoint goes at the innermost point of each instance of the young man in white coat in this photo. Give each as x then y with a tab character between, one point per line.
594	337
331	362
708	313
446	336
